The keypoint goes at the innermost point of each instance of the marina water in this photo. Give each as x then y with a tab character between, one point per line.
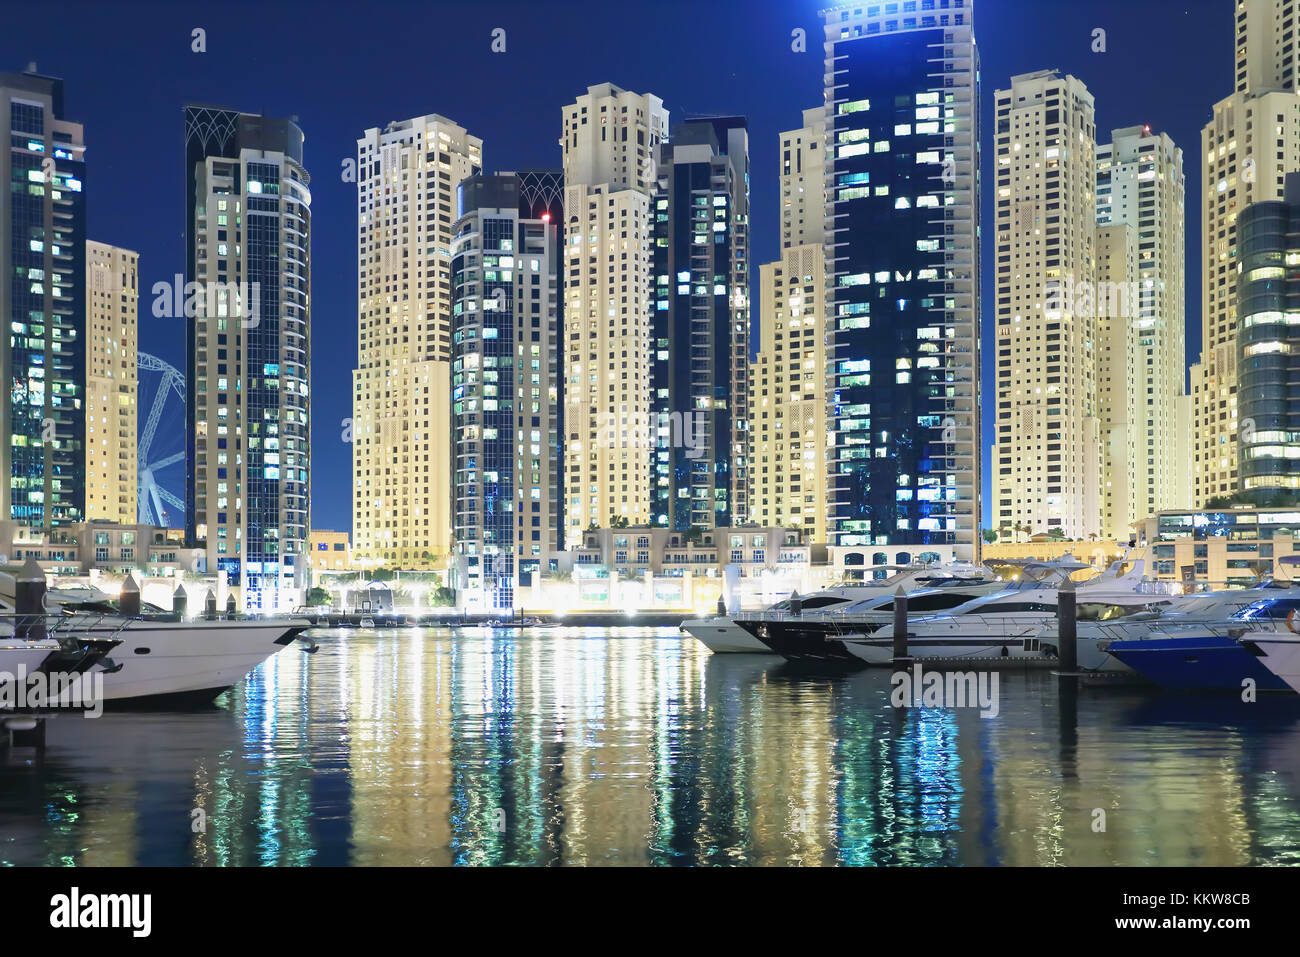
634	746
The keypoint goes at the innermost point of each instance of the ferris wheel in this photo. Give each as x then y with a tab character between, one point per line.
161	449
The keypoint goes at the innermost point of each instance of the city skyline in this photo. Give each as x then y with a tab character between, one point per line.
772	102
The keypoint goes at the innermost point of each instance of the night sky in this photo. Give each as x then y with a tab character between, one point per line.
128	70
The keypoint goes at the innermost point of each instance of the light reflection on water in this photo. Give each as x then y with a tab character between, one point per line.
635	746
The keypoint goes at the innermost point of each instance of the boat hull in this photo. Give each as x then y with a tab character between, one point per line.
810	642
879	652
27	655
1281	658
722	636
169	662
1200	663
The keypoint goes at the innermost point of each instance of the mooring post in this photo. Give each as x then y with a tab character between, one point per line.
210	606
1067	627
179	602
796	605
29	602
128	602
900	624
230	605
722	607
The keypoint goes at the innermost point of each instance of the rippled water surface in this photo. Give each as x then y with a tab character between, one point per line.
635	746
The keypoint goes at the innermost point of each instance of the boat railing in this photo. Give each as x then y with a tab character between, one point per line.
57	625
1218	627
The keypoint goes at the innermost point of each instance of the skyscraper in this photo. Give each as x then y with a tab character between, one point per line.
902	168
504	397
112	378
787	382
1048	456
610	145
1118	366
699	371
248	240
407	176
787	396
1268	285
43	289
803	182
1140	184
1247	148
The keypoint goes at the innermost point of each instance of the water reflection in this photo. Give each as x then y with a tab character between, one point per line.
633	746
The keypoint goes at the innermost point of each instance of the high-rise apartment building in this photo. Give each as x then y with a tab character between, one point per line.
43	291
1048	453
505	403
902	175
610	146
1250	144
248	240
1142	318
787	396
1268	287
407	175
787	382
112	378
1117	404
803	182
699	370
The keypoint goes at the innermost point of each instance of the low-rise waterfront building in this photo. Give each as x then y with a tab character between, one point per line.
330	552
1233	547
108	547
659	569
1099	553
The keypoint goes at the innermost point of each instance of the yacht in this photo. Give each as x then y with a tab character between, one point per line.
1218	651
1004	627
817	638
723	634
159	659
1169	618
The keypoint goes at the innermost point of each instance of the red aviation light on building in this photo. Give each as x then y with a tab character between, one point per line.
546	217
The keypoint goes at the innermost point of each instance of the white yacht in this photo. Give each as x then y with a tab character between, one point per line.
721	634
159	659
816	638
1006	626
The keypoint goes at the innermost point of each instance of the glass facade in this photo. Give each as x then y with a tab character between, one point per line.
42	285
1268	346
699	357
249	258
504	398
902	175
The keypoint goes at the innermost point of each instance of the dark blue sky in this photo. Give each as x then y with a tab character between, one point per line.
342	68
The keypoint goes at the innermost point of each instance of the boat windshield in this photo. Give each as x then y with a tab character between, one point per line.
1268	608
1103	611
